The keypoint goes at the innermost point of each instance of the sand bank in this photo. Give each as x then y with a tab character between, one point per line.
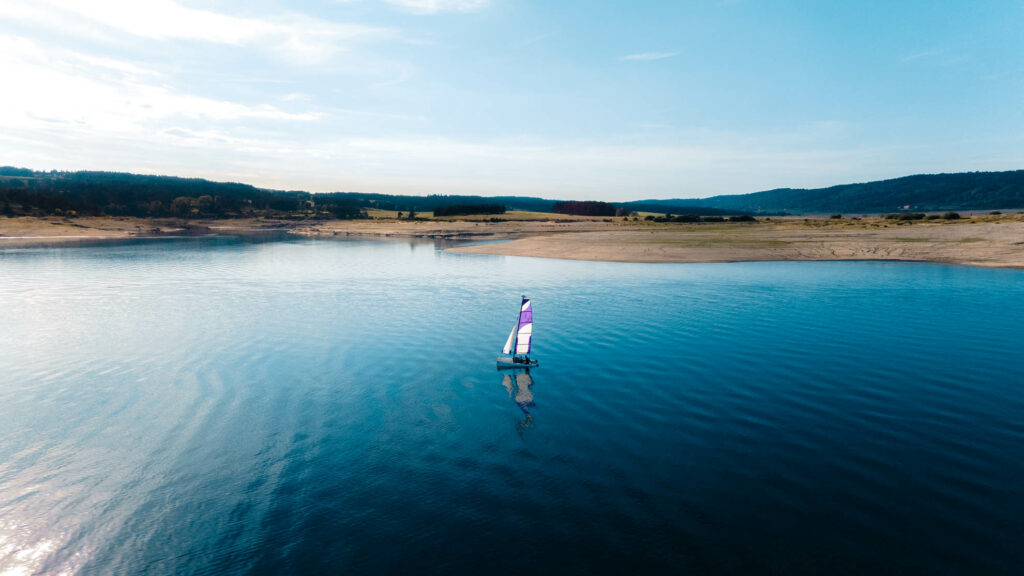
981	241
32	231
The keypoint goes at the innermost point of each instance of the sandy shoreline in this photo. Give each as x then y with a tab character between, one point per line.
996	241
981	243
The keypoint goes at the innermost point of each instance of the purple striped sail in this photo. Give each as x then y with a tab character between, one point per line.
524	334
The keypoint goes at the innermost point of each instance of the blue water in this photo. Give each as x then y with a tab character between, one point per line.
233	406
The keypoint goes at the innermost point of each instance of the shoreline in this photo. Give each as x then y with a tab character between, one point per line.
990	241
984	242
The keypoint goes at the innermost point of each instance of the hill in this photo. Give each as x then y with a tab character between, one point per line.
29	192
925	192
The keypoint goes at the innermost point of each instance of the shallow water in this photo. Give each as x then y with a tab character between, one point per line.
219	405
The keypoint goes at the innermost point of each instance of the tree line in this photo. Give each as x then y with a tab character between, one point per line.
85	193
468	209
919	193
584	208
29	192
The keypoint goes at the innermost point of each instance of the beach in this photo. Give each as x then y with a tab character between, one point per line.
989	240
977	242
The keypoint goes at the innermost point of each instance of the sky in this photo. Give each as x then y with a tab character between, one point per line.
564	99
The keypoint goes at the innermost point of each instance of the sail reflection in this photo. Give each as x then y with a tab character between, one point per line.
518	383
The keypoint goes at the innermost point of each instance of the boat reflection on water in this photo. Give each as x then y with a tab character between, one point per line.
519	383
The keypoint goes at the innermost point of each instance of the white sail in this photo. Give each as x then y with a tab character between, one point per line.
525	333
511	338
523	339
520	339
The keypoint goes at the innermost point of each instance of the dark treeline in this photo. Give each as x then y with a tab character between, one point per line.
694	218
667	207
29	192
923	216
584	208
921	193
467	209
120	194
426	203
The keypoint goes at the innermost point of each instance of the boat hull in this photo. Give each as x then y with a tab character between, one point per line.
508	363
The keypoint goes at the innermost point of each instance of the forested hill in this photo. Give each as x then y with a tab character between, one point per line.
926	192
24	191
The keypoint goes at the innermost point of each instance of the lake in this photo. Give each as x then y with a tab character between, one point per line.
245	406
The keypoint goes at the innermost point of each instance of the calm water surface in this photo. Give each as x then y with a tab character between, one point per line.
226	406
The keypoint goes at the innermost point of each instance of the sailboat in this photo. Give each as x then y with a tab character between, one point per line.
517	347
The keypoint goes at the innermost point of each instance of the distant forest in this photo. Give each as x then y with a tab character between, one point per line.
922	193
29	192
467	209
587	208
120	194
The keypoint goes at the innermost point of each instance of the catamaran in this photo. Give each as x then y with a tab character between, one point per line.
519	340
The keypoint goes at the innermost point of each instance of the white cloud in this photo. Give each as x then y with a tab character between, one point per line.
400	76
63	87
649	56
299	38
164	19
530	41
112	65
943	57
45	16
435	6
922	55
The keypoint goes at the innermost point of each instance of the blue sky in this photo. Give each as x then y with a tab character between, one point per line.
561	99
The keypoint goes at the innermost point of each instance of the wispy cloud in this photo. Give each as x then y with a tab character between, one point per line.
925	54
530	41
297	97
298	37
942	57
649	56
401	75
61	86
436	6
